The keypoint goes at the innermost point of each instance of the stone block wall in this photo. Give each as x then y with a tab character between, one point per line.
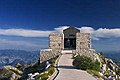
47	55
56	41
83	45
82	41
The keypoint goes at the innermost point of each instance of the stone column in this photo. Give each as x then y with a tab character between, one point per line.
56	41
82	42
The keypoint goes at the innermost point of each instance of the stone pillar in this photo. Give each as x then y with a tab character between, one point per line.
82	42
56	41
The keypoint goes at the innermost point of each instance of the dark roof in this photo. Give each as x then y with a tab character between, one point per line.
72	28
70	32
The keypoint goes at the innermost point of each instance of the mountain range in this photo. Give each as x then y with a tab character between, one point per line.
12	57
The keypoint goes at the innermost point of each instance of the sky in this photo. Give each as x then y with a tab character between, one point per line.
26	24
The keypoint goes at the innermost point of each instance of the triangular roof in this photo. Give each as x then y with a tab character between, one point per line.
72	28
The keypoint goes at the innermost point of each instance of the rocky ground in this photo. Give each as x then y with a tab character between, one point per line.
109	70
10	73
19	72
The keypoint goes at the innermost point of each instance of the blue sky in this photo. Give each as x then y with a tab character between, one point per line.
26	24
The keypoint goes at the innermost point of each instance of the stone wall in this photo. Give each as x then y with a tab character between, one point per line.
48	54
83	45
82	41
87	52
56	41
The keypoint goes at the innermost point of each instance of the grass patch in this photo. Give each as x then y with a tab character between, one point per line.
53	60
44	76
51	71
94	73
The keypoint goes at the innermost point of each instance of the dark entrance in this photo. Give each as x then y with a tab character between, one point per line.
70	43
70	38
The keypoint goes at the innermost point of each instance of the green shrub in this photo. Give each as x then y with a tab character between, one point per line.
84	63
52	62
51	71
44	76
118	70
35	68
95	66
93	72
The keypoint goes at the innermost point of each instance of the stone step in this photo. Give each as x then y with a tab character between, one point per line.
66	51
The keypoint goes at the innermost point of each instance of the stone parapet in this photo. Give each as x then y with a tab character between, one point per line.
87	52
48	54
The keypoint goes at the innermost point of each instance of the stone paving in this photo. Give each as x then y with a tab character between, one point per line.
68	72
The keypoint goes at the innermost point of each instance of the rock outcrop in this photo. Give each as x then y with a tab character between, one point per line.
10	73
109	69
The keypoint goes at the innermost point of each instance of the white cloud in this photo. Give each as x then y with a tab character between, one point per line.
30	33
101	32
107	33
14	42
25	32
85	29
96	34
61	28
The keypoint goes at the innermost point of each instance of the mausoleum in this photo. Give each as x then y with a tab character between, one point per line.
71	39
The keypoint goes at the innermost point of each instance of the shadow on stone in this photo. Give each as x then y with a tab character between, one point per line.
66	67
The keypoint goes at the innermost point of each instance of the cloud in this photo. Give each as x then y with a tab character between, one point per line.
30	43
106	33
30	33
101	32
85	29
61	28
24	32
96	34
14	42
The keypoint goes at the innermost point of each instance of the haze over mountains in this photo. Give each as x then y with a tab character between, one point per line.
12	57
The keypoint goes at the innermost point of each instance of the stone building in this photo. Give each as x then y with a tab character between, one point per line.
71	39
